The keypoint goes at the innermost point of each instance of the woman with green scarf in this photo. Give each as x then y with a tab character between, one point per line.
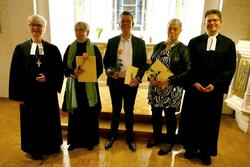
82	99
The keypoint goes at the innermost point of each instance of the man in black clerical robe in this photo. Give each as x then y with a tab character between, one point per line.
213	58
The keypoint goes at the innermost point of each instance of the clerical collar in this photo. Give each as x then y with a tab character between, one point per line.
211	42
212	35
34	46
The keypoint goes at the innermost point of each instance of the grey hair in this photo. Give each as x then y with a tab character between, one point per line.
175	21
83	25
37	19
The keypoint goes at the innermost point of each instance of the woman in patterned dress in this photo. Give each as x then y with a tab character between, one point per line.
165	93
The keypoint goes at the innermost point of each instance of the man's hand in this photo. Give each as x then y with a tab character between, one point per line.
115	75
209	88
200	88
41	78
133	82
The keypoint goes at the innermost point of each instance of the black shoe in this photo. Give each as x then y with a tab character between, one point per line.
109	143
152	142
149	145
53	151
162	152
58	150
189	154
71	147
90	147
37	157
206	160
132	146
166	148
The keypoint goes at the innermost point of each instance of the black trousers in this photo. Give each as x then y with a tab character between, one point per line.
122	93
157	121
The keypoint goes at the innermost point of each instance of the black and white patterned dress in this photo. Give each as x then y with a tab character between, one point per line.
170	96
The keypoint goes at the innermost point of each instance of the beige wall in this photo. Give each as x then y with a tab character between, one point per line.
236	19
210	4
13	14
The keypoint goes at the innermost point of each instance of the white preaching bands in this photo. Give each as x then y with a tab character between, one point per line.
33	49
40	51
211	43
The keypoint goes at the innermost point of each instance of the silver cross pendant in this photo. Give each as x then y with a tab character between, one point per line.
38	63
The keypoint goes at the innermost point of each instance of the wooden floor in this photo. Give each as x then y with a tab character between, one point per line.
234	149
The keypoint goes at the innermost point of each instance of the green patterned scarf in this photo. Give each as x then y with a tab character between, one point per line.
71	101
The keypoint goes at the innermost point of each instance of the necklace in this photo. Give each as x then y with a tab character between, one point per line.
38	57
38	62
36	49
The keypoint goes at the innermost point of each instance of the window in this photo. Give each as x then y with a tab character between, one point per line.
136	7
150	17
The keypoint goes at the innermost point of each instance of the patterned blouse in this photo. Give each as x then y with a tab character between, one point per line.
170	96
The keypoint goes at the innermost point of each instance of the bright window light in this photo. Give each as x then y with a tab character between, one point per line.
150	17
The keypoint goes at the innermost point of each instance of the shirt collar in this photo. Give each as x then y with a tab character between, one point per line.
126	40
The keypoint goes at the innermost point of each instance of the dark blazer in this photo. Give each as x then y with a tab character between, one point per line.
215	67
139	55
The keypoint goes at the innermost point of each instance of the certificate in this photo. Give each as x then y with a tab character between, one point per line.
88	67
130	73
159	70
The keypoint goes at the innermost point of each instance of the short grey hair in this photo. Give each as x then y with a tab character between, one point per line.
82	25
37	19
175	21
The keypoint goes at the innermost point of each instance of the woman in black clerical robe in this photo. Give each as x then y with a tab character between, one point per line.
82	99
36	76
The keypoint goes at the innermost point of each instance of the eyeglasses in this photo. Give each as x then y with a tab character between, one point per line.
212	20
125	21
36	25
80	29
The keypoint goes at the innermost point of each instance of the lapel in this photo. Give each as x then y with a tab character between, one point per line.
134	46
27	46
204	39
219	39
116	43
44	47
26	50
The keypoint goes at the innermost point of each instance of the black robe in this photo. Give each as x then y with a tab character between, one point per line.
83	124
201	112
39	110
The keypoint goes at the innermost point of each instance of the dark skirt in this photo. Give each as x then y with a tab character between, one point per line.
83	123
83	128
40	125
